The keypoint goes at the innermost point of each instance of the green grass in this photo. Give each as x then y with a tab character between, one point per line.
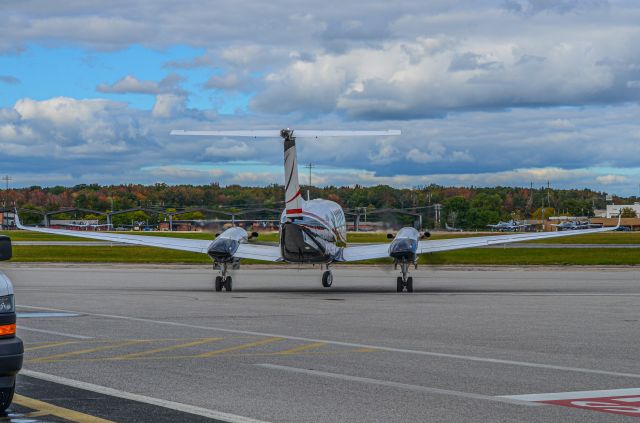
536	256
353	237
99	254
509	256
35	236
494	256
604	238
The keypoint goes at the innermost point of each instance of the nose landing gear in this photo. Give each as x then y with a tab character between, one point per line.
223	280
404	282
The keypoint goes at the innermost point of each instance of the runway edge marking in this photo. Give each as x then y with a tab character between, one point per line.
186	408
357	345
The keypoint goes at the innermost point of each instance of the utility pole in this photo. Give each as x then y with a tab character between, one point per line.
548	194
6	179
309	166
542	210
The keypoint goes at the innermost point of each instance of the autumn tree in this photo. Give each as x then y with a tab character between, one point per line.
628	212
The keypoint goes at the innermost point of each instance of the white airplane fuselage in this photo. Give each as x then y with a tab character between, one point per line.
315	236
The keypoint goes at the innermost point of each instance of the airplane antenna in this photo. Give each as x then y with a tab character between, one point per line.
309	166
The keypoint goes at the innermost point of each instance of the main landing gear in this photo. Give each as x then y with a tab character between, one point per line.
223	280
327	278
404	281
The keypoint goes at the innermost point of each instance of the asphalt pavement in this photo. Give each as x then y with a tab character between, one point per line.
466	346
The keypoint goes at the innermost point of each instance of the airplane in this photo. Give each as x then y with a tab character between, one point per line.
85	225
452	228
574	224
509	226
311	231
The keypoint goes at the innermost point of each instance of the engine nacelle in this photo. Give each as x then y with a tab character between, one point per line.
405	244
226	244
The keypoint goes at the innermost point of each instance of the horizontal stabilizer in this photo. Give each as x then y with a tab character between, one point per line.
266	133
276	133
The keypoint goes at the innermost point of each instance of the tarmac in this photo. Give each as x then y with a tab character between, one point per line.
146	343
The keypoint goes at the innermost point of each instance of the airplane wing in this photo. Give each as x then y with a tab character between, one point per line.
245	251
367	252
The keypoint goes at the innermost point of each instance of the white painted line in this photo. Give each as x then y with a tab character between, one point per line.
552	396
51	332
27	315
357	345
186	408
633	399
397	385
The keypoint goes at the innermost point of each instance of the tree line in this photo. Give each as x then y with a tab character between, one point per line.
466	207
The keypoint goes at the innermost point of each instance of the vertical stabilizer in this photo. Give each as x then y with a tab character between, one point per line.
293	196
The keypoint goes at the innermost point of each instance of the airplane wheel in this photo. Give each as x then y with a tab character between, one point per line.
228	284
410	284
400	284
218	283
327	279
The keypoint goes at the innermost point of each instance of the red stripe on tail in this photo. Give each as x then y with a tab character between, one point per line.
294	197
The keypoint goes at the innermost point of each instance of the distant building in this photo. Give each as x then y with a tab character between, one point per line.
600	213
7	220
73	222
613	210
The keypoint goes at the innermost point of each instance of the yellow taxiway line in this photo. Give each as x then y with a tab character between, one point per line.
164	349
45	409
238	347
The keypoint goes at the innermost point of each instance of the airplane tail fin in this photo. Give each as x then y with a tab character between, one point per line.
292	194
19	224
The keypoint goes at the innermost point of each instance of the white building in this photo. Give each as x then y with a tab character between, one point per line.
7	220
613	210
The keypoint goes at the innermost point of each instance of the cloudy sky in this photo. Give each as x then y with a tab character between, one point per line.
500	92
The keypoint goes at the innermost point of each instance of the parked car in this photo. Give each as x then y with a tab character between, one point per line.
624	229
11	348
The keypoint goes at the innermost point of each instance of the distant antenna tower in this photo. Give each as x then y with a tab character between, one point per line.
529	205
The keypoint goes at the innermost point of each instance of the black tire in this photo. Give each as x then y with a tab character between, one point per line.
327	279
6	396
410	284
228	284
218	283
400	284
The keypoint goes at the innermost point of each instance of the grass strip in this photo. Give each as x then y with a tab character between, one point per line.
473	256
353	237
